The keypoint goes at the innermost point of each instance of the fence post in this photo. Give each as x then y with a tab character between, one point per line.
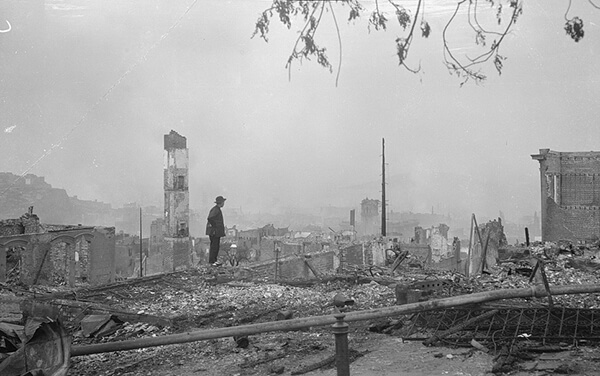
342	358
276	262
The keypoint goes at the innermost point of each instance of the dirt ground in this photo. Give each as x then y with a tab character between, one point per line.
383	355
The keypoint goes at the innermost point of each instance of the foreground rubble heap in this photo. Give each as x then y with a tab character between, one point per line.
201	299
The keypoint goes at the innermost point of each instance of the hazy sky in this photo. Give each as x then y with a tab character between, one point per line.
99	82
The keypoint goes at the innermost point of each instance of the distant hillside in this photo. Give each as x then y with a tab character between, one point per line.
52	205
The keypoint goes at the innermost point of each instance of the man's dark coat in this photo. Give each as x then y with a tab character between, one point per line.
215	225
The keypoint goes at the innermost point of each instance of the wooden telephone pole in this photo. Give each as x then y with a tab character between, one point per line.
383	219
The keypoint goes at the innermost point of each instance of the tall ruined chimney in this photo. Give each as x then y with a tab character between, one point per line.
177	207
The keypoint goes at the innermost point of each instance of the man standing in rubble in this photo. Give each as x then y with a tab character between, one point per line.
215	229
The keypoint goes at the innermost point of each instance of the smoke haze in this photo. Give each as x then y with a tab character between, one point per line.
89	88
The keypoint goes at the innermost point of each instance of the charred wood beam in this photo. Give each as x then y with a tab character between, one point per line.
74	309
90	291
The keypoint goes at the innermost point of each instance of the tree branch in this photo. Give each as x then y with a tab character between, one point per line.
337	29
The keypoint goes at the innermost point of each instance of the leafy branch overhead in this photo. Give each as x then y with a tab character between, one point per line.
489	20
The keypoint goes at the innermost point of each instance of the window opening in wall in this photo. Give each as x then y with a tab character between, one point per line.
13	264
183	229
180	182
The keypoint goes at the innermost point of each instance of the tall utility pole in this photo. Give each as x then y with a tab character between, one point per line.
383	229
141	247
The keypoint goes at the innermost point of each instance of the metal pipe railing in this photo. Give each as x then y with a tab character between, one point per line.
306	322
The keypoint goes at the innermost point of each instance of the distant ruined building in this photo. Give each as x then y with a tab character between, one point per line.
570	193
370	220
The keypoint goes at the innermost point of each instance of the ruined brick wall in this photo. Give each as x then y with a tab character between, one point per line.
181	253
125	251
353	255
492	233
267	248
34	263
377	253
288	249
294	267
571	222
439	244
323	262
60	254
420	251
27	224
65	257
154	263
102	256
420	235
570	194
371	253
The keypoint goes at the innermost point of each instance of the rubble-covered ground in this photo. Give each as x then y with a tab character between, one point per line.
207	298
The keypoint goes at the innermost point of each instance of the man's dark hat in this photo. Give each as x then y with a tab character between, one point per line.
220	199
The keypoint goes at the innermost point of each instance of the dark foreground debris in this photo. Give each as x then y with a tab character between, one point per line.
42	348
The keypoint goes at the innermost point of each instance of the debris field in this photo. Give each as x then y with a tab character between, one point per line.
207	298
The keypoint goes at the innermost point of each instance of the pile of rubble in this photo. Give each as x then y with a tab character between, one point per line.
208	298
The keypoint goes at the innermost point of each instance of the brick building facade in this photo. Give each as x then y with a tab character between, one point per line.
570	194
35	253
